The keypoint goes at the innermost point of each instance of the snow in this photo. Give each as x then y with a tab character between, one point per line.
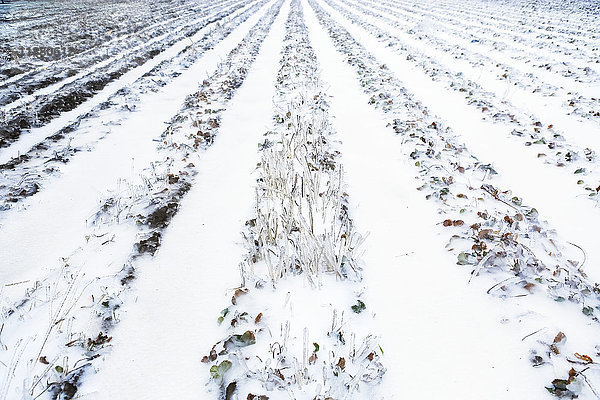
236	173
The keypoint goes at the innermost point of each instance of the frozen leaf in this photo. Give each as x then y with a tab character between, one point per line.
359	307
560	384
537	361
246	339
463	259
218	371
224	313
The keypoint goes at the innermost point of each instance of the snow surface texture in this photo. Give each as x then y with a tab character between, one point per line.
299	199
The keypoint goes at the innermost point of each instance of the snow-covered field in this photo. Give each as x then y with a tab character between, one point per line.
299	199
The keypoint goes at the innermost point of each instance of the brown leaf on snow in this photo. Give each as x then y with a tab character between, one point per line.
560	338
585	358
258	318
485	234
43	360
230	390
257	397
238	292
211	357
519	217
447	222
341	363
572	374
529	287
458	222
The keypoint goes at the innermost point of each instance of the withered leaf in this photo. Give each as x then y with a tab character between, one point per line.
585	358
560	384
572	374
258	318
257	397
341	363
559	338
43	360
529	287
485	234
246	339
230	390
